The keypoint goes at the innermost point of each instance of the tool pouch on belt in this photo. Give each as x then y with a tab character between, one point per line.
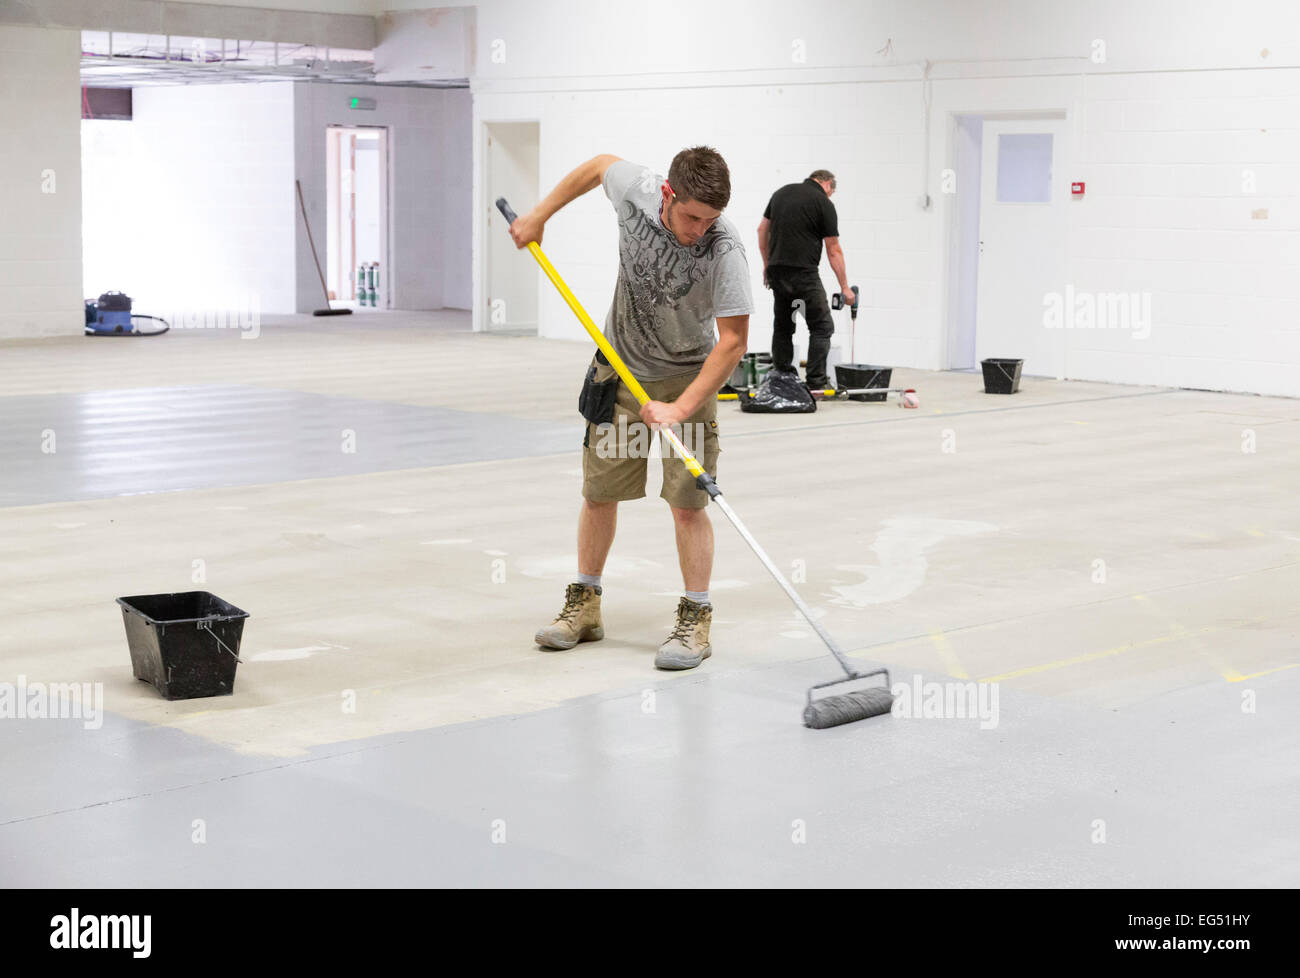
596	402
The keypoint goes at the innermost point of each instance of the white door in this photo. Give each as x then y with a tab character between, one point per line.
1023	196
512	278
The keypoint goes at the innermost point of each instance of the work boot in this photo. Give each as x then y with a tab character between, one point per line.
578	621
688	645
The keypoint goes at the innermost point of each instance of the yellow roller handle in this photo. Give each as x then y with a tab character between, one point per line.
615	361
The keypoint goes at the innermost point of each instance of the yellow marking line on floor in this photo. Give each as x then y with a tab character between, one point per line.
1219	664
1237	677
946	653
1076	660
1117	650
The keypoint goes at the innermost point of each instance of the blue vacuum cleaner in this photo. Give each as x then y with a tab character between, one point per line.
111	315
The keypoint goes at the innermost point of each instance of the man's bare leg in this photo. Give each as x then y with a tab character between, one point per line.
694	547
596	525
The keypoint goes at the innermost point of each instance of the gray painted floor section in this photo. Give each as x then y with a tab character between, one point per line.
163	439
719	786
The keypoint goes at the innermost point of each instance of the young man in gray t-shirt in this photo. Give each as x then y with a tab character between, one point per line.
681	269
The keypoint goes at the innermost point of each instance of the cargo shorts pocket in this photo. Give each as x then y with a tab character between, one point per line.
596	402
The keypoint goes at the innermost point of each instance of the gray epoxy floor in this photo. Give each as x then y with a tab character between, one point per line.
474	759
161	439
716	787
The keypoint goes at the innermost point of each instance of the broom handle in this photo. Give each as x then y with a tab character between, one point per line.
702	478
307	224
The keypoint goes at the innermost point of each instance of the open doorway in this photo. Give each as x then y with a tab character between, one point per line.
356	189
1007	239
511	172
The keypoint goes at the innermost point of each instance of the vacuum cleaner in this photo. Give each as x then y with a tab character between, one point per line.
111	315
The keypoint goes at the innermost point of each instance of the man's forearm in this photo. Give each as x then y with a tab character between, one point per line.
762	246
837	266
714	372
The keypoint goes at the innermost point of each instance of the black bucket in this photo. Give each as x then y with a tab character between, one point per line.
185	644
850	376
1001	376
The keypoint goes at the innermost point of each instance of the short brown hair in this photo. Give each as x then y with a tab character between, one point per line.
823	176
700	173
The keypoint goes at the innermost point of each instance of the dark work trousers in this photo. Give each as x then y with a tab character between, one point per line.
799	292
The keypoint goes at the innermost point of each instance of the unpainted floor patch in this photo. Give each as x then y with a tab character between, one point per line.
288	655
900	547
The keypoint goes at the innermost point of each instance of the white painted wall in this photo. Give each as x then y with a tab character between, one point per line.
429	164
511	172
963	243
1168	159
190	205
40	193
456	190
781	89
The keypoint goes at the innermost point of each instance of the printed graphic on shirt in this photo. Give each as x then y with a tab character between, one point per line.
660	274
668	295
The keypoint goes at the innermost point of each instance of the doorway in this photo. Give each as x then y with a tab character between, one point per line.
511	171
356	191
1007	244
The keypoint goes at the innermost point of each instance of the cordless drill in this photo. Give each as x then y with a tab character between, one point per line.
837	302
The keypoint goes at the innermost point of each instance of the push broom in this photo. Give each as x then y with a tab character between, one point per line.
826	710
328	310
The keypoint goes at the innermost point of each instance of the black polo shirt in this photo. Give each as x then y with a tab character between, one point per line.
801	215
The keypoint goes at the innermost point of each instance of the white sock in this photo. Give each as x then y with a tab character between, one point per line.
699	597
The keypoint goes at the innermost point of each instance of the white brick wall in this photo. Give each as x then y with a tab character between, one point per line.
1161	147
190	206
1168	211
768	137
40	232
429	160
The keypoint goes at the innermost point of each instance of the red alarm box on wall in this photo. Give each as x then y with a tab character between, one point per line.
1076	189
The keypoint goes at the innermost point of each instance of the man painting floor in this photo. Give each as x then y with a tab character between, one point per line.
681	270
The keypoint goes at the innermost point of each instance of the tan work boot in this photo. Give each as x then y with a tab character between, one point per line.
578	621
688	645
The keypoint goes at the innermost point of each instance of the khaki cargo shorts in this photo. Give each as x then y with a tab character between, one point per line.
615	454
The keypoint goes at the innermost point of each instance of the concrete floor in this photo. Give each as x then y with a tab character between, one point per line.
409	575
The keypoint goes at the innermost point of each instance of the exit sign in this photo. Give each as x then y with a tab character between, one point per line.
361	103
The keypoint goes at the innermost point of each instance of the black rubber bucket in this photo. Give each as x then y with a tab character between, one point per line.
1001	376
185	644
849	376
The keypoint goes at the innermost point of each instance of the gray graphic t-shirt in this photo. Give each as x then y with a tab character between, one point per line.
661	321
